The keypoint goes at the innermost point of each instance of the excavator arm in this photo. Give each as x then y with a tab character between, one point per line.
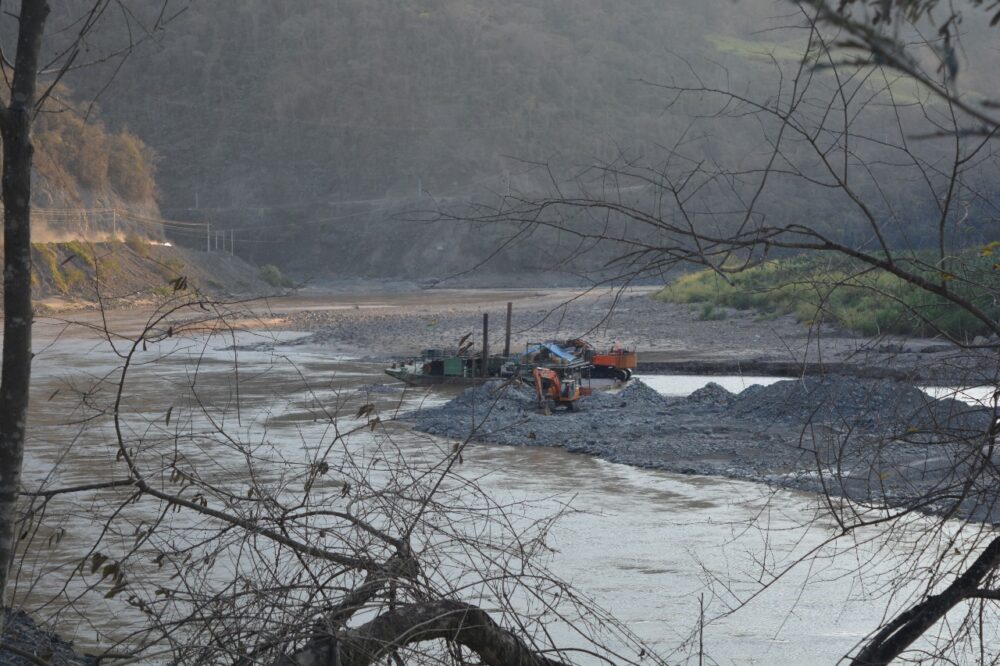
541	376
554	391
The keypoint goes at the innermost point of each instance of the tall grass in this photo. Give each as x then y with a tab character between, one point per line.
865	300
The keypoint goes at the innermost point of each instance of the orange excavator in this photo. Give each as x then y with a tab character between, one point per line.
563	392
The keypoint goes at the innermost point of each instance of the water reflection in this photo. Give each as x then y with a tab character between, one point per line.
681	385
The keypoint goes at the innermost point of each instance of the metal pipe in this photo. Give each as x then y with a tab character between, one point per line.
506	340
486	345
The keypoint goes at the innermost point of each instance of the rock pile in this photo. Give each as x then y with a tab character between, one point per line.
872	405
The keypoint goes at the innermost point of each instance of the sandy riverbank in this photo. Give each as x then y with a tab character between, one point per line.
670	337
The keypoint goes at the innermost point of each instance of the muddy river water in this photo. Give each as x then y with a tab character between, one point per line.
656	550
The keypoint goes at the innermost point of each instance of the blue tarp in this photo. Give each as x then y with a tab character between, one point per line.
553	348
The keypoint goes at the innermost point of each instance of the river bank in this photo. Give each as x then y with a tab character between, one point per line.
78	276
383	321
388	324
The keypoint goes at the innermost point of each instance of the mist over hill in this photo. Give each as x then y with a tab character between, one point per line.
316	128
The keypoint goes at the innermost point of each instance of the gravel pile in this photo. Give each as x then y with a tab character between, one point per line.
711	394
872	405
508	413
865	431
635	397
500	395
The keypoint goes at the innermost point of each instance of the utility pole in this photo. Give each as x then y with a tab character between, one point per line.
114	224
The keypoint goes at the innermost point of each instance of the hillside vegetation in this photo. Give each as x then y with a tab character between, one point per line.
317	127
120	273
81	163
842	291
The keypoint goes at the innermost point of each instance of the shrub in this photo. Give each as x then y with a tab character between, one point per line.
130	168
271	274
867	301
709	313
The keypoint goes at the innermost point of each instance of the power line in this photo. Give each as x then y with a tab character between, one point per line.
111	217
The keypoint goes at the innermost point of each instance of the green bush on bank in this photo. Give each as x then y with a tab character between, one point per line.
271	274
853	295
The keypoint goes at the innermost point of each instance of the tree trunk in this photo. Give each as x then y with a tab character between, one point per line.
15	129
893	639
414	623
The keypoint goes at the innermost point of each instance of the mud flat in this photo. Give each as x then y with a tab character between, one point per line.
876	441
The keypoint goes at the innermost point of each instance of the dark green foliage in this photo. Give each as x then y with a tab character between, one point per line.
271	274
709	312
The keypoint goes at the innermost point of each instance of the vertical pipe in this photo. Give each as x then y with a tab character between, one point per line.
506	340
208	238
232	241
486	345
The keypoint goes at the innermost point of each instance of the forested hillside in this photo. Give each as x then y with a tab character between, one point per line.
314	127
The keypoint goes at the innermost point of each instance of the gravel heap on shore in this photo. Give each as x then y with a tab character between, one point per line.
507	412
873	405
758	434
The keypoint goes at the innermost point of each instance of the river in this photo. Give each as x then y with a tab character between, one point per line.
658	551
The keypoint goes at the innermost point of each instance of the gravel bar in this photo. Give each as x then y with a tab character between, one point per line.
881	442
